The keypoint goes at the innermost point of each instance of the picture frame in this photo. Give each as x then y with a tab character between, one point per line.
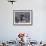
22	17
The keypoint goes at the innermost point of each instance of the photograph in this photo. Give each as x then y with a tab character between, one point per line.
22	16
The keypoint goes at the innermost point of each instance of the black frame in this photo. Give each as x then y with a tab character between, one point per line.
23	11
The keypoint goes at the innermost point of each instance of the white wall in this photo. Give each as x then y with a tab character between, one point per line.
37	31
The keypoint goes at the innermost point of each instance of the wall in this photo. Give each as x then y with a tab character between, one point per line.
37	31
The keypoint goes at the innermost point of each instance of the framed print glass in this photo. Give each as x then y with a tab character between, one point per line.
22	17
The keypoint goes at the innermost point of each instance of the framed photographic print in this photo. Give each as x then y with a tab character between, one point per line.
22	17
